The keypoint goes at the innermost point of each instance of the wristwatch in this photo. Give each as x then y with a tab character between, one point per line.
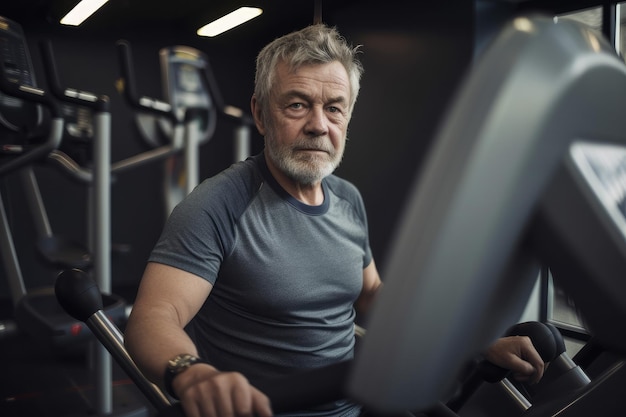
176	366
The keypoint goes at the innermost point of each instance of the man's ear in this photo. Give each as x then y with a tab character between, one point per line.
257	114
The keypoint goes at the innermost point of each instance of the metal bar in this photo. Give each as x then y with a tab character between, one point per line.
101	248
242	142
192	130
9	258
35	202
110	336
514	394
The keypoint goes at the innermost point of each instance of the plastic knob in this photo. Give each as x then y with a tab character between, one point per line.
541	336
543	340
558	339
78	294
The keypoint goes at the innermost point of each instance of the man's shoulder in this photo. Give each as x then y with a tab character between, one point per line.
342	187
231	189
243	176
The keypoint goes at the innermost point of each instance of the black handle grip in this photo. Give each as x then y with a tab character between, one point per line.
558	339
543	340
127	72
52	74
78	294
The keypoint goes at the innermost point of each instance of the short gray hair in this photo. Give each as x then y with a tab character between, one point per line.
315	44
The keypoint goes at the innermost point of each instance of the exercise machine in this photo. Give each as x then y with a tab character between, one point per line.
187	117
99	179
180	124
36	312
512	182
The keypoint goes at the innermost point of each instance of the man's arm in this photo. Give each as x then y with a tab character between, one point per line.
167	300
371	285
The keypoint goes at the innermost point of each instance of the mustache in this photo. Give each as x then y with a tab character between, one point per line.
313	145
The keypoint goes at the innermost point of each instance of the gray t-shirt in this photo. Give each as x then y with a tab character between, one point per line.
285	275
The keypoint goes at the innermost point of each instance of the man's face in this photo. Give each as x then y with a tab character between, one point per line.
306	122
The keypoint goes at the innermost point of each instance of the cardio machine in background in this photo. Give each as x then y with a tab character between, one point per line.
526	170
36	311
186	119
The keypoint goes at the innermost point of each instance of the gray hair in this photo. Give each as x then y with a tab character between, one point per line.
315	44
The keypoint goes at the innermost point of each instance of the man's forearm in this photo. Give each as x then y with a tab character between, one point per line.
152	339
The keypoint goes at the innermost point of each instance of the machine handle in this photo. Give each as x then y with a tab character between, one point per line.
129	85
27	92
548	343
55	134
79	295
546	340
559	342
69	95
224	110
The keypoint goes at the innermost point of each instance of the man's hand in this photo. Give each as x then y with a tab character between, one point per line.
517	354
206	392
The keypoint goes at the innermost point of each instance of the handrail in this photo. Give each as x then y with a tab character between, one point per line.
34	95
127	71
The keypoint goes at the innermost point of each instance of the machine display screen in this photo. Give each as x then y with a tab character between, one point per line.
604	168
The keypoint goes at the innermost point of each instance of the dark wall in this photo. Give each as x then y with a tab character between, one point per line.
414	59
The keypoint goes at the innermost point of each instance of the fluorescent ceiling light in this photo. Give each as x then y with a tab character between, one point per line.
229	21
82	11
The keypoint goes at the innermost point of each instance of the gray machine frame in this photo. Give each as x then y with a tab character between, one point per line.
469	245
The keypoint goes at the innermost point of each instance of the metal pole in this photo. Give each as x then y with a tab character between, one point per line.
513	393
242	142
192	129
35	202
101	241
110	337
9	258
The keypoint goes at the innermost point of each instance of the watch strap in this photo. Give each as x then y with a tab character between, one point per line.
176	366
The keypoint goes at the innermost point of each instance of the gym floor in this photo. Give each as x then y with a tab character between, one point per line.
37	381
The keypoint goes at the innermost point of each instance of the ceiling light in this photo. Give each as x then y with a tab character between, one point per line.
82	11
229	21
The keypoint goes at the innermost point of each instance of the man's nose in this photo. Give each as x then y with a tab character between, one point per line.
317	122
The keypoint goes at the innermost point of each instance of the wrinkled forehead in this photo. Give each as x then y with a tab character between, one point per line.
325	75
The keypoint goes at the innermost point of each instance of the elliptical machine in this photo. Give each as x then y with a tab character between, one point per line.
37	313
187	119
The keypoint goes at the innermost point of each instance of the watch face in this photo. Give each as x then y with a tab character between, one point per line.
181	362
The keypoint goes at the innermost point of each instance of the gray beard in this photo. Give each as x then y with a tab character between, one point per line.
303	170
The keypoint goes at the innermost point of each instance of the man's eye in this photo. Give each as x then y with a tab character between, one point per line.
295	105
334	109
